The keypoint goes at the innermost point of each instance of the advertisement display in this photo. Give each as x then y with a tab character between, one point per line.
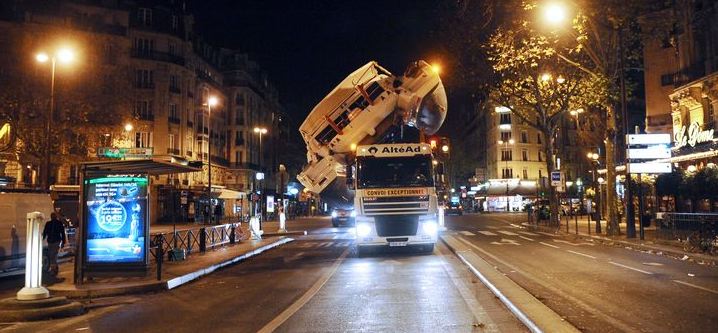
116	219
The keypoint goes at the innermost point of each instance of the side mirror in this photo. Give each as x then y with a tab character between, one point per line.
350	177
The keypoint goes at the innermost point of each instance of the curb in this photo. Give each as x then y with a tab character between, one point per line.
165	284
536	316
42	309
288	233
647	247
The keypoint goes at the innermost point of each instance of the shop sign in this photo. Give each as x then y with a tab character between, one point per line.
692	136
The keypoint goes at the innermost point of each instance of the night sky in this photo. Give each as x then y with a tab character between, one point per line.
307	47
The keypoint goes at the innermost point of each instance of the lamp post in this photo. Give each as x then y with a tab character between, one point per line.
261	131
64	56
506	147
211	101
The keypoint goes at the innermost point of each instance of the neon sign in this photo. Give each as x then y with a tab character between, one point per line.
692	136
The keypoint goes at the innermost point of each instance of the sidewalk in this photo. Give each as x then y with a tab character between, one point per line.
174	273
650	243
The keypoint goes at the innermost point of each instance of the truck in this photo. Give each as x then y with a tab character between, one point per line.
395	196
375	123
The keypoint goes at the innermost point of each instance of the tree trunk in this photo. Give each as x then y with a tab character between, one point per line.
553	194
612	227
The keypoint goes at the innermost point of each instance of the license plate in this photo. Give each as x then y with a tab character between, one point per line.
397	243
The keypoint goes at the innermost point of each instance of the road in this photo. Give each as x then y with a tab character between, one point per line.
597	288
314	284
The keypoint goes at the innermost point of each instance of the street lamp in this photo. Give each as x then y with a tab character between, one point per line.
554	13
64	56
261	131
211	101
593	157
506	174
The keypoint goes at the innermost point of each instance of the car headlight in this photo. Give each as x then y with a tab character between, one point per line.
353	214
430	227
363	229
334	214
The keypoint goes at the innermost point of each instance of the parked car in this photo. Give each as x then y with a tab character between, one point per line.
454	208
342	216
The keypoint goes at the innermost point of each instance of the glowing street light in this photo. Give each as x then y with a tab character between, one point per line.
64	55
129	127
545	77
260	131
445	148
435	68
554	13
211	101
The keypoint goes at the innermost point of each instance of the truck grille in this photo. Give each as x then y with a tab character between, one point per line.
389	226
396	206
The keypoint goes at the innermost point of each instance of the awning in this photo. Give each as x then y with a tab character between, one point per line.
154	166
499	188
231	194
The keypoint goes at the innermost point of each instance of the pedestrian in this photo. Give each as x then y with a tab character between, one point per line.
54	232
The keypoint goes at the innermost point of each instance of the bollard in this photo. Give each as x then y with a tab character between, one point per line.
232	228
202	239
33	289
160	255
575	218
254	228
442	226
282	223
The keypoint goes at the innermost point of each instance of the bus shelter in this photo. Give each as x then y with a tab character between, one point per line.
114	215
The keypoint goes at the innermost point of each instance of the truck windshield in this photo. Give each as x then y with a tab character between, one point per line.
411	171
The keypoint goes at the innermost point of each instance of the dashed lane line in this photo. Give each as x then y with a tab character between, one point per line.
695	286
508	233
487	233
629	267
549	245
547	234
526	238
582	254
528	233
467	233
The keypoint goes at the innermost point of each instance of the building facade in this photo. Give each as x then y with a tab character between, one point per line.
155	76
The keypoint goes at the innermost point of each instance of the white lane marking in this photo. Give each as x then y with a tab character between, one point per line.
582	254
631	268
526	238
695	286
292	309
508	233
487	233
528	233
547	234
467	233
516	226
505	241
549	245
652	264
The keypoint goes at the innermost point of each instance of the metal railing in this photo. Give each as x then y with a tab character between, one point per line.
697	231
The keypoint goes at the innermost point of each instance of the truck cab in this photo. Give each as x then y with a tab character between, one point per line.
395	198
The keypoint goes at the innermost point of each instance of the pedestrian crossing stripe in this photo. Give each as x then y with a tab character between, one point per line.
467	233
528	233
547	234
487	233
509	233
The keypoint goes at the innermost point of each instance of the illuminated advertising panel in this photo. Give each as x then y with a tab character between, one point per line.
116	219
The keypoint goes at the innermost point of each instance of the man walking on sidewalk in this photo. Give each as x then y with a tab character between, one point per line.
54	232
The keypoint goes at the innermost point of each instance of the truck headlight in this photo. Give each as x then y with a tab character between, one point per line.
353	213
334	214
430	228
363	229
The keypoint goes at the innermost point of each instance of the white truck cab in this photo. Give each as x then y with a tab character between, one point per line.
395	198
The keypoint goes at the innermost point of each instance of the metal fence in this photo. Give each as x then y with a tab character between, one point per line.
199	239
690	228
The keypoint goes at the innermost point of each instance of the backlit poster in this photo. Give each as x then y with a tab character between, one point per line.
116	215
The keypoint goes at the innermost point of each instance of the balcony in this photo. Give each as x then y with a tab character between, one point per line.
190	124
173	151
175	90
146	117
246	166
174	120
689	74
219	160
158	56
239	142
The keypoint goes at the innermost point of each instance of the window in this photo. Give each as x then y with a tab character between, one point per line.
524	137
144	79
143	139
524	155
507	173
174	113
506	154
540	174
505	118
108	54
171	140
144	15
538	138
175	22
143	46
505	136
174	84
239	99
239	119
526	174
540	156
143	110
239	138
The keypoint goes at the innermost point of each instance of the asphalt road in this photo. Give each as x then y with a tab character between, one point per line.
597	288
314	284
